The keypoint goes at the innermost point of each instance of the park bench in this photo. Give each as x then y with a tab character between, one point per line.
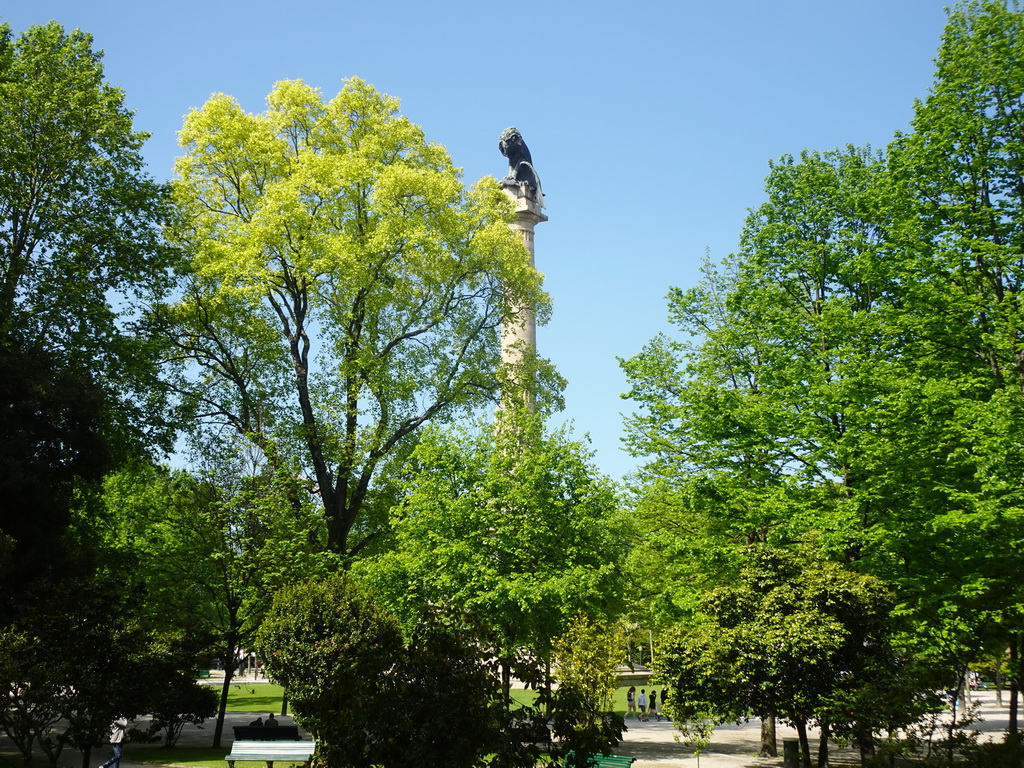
605	761
271	752
263	733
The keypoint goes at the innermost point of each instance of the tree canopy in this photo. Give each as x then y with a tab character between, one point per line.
81	260
346	289
852	385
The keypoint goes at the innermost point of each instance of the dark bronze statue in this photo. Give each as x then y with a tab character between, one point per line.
520	164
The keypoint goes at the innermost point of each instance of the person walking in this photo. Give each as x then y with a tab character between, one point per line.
642	703
118	730
652	705
631	701
664	698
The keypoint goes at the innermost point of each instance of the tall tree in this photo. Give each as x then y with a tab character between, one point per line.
212	550
961	172
80	260
346	288
512	530
80	250
748	430
857	382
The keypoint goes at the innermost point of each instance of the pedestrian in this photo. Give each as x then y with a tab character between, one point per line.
664	698
642	703
631	701
118	730
652	705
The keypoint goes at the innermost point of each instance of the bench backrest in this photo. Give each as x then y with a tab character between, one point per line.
262	733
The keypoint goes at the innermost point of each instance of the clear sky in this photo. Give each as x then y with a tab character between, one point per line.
651	123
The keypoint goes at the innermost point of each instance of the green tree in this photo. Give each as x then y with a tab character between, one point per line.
346	289
587	657
212	548
332	648
782	640
960	169
748	417
371	696
87	653
510	528
856	381
80	261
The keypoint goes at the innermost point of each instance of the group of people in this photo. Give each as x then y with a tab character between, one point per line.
271	721
648	704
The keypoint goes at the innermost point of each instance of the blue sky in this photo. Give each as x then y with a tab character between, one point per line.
651	123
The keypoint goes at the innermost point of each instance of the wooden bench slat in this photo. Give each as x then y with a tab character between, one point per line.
270	751
611	761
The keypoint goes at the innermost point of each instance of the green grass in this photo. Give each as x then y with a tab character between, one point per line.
258	697
267	697
193	757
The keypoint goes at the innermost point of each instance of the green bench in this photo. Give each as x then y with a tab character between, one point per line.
605	761
271	752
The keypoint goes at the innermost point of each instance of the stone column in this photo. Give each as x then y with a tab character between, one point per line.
519	336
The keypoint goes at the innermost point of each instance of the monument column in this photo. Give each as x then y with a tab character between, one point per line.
521	334
522	185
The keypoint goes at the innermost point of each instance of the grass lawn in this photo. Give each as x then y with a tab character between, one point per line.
267	697
258	697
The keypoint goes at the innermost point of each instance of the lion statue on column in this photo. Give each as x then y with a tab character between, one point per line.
520	163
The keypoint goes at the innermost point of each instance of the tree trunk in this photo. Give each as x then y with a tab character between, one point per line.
1011	726
951	729
866	743
225	689
826	732
769	746
805	746
1018	676
506	685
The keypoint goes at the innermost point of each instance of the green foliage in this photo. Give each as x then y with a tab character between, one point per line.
784	640
447	700
214	548
332	648
80	261
587	656
346	289
180	701
513	533
853	388
370	696
86	655
80	254
52	444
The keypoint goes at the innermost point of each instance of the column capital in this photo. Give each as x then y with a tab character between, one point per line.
529	206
